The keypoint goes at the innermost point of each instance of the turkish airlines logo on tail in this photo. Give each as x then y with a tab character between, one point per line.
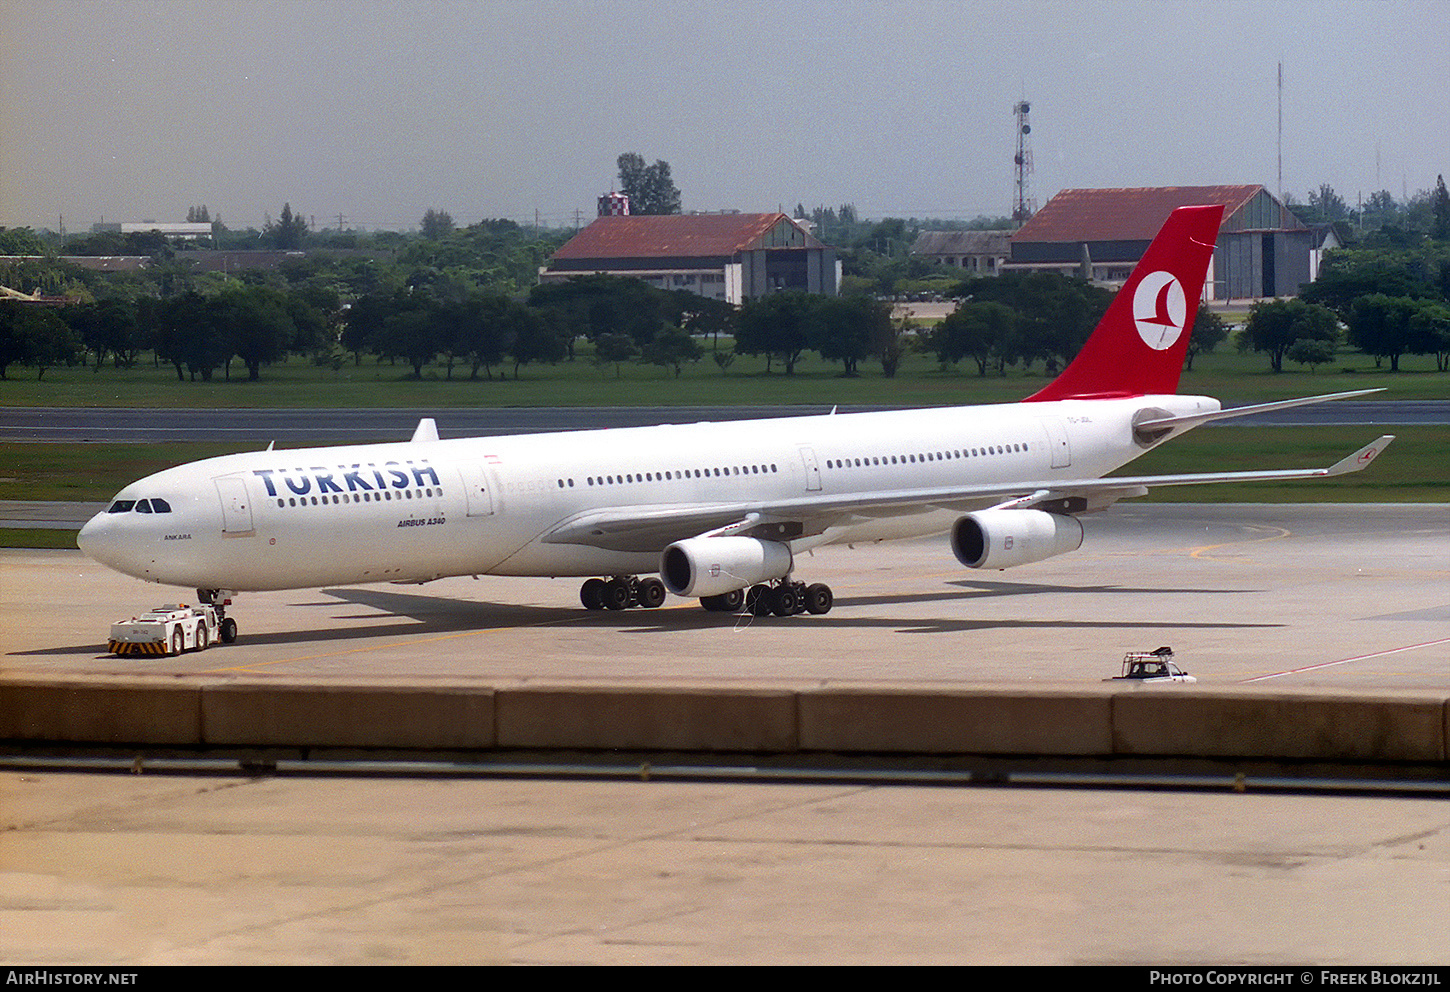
1159	309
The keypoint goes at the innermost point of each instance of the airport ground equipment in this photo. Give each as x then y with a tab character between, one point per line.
168	629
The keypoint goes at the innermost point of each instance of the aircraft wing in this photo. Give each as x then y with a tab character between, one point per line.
652	528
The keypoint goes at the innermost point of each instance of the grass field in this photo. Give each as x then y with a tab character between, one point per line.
37	537
1227	375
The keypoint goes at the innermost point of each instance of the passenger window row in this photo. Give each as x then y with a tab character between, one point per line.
698	473
926	456
359	497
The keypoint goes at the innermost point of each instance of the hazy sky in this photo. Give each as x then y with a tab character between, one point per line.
380	109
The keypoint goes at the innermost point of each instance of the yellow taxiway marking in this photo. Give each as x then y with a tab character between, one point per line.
1279	533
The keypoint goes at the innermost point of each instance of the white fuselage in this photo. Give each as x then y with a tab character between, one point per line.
420	510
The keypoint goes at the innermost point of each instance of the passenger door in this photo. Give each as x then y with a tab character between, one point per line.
236	506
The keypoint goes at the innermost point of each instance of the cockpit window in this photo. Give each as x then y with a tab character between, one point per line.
139	506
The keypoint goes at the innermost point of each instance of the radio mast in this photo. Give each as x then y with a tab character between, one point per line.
1024	205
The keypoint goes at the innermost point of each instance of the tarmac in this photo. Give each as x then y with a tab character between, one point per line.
851	794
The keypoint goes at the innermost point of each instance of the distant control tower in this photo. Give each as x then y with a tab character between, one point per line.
1024	206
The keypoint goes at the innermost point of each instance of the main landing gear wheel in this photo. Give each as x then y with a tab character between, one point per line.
819	598
786	598
591	594
726	602
622	592
651	593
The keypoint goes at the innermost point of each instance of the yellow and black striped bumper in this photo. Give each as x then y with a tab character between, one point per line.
136	647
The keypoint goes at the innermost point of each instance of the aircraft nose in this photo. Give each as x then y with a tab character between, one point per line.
98	539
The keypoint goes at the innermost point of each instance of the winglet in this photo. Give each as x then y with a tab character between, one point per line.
1361	458
427	430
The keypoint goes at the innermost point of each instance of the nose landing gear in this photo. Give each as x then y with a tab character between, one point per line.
219	600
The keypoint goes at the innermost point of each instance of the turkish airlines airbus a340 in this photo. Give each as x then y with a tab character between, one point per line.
719	511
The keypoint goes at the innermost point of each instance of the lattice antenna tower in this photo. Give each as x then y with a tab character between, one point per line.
1023	206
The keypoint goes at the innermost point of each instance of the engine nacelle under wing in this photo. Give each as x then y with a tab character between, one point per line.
709	566
1004	538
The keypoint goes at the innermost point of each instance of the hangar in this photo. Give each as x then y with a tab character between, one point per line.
981	253
1263	249
728	256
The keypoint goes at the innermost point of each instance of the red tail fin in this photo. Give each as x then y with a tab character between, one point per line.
1138	346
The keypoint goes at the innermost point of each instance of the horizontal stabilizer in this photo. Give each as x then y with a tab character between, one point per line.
1194	419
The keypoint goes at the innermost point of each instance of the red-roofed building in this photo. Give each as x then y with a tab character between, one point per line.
731	257
1263	249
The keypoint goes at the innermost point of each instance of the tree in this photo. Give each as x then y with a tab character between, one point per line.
258	325
45	340
1328	204
20	241
976	330
700	315
672	348
192	334
889	344
1311	353
1380	209
777	326
1208	332
362	324
312	310
1379	325
1430	332
413	328
1055	313
288	232
436	225
1274	325
108	327
614	349
596	305
1348	275
848	329
649	187
1440	206
540	337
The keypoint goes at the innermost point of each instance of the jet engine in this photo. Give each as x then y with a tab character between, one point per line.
709	566
1003	538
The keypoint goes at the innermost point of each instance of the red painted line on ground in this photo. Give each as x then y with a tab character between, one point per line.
1346	661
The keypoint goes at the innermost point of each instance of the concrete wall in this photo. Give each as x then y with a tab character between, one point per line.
1110	720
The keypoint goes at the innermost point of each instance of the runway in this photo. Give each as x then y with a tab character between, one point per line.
214	865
